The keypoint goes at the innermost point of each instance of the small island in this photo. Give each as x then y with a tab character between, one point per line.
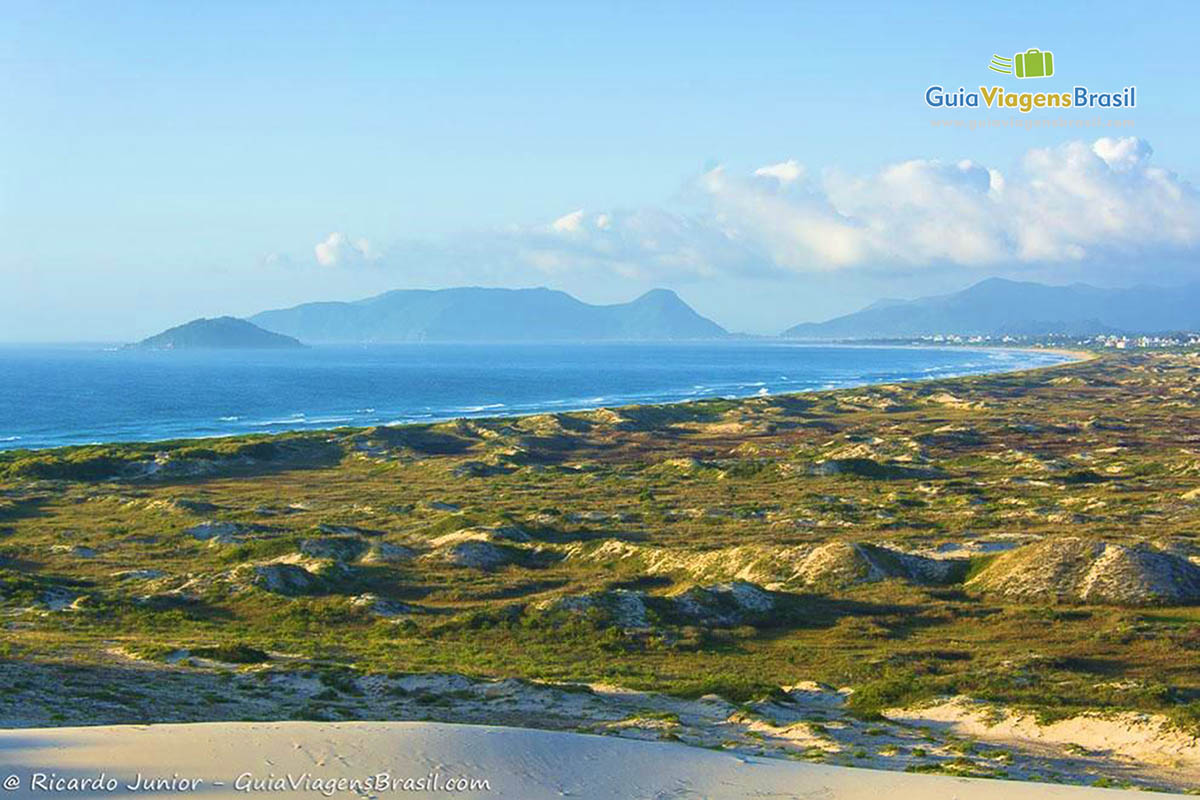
218	333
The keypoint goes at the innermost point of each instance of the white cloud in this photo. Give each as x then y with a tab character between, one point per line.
1070	203
794	230
339	249
644	243
569	223
1081	203
1124	153
1076	205
785	172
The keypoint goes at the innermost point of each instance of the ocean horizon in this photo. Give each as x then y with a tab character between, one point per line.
60	395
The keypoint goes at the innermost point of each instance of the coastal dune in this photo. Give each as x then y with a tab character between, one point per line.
313	759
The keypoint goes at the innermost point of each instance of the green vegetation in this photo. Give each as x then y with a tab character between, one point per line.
562	547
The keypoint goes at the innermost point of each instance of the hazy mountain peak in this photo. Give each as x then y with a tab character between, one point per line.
999	306
473	313
659	294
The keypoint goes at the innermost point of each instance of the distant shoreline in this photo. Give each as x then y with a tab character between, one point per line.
12	444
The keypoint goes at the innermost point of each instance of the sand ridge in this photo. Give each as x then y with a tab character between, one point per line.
307	759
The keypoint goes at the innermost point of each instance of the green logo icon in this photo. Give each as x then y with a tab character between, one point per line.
1033	63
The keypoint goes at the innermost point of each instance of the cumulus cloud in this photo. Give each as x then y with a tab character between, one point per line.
338	249
645	243
1070	203
1077	203
791	227
1123	154
784	172
569	223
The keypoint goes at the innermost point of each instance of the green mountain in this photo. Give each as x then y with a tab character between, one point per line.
494	315
997	307
224	333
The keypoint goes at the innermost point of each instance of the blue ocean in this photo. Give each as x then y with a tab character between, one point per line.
53	396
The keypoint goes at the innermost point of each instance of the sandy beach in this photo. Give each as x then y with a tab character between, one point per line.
308	759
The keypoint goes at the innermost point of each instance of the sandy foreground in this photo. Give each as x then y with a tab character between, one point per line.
311	759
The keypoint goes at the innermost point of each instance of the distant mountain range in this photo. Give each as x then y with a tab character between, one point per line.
994	307
224	333
997	307
492	315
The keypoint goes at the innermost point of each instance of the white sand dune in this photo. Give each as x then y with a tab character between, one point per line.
306	759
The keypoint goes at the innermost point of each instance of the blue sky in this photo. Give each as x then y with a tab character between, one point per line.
162	161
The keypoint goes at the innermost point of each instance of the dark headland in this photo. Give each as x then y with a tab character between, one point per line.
218	333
